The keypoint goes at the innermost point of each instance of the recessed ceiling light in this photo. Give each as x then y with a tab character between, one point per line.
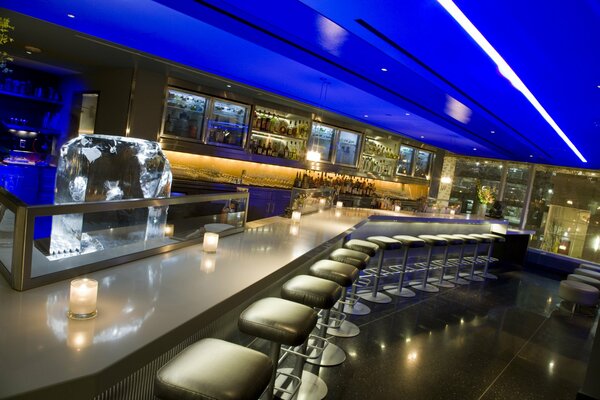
384	69
228	85
492	131
598	86
71	15
407	113
474	148
366	116
531	156
28	52
506	70
422	137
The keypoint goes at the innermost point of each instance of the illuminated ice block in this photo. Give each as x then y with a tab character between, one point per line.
105	168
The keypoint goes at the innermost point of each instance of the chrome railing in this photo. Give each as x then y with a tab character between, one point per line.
25	233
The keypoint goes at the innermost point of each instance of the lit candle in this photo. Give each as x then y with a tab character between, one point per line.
211	241
82	298
339	204
296	216
397	208
169	230
452	211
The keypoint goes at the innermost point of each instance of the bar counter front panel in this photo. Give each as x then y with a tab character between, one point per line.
141	304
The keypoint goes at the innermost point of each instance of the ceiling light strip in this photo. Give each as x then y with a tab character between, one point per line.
506	70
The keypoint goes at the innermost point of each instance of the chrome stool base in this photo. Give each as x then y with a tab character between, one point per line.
444	284
377	298
312	387
457	281
332	355
474	278
487	275
428	288
357	309
346	330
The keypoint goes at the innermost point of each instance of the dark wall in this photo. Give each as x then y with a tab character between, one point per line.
145	117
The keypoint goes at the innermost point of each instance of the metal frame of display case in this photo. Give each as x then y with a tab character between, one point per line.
335	141
20	277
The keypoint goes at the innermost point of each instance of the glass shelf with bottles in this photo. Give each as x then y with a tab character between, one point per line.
277	135
184	114
379	156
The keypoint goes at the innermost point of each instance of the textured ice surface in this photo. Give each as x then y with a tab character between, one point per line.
104	168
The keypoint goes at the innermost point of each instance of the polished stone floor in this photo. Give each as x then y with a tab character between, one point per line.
504	339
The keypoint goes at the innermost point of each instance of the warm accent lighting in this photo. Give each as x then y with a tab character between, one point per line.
208	264
397	208
296	216
322	201
446	179
169	230
82	298
505	69
339	204
211	242
313	156
452	211
80	334
294	230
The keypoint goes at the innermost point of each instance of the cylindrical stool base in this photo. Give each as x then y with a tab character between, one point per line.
458	281
346	330
393	289
357	309
377	298
332	355
444	284
312	388
424	288
474	278
487	275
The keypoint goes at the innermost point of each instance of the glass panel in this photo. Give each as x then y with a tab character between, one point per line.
184	114
423	163
7	231
111	234
406	159
227	124
470	173
87	116
278	134
380	155
515	192
347	148
321	141
564	212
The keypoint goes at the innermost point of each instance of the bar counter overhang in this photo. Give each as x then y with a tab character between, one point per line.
148	307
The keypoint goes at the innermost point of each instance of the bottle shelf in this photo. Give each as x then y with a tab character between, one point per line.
277	135
379	157
185	109
33	98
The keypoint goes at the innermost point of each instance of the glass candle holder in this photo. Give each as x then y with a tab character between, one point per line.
211	242
339	204
397	208
83	298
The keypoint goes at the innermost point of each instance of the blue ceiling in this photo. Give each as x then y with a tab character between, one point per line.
291	47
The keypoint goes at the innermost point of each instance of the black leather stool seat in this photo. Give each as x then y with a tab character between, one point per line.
278	320
312	291
355	258
484	239
468	239
453	240
496	238
363	246
410	241
433	240
385	243
341	273
214	369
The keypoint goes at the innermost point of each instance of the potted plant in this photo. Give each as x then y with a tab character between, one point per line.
485	197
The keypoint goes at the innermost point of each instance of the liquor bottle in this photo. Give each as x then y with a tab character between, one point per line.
286	151
259	149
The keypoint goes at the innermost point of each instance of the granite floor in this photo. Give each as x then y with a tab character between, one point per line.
501	339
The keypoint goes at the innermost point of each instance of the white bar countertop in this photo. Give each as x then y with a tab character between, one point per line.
142	301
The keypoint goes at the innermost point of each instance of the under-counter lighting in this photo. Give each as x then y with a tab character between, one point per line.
82	298
446	179
313	156
296	215
506	70
570	202
211	242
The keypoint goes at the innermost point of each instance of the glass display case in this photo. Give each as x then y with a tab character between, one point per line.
405	163
379	156
227	123
184	114
279	134
423	163
515	192
347	148
321	142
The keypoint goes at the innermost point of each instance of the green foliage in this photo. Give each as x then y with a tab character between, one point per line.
5	30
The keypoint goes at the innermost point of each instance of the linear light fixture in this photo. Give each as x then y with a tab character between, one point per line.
505	69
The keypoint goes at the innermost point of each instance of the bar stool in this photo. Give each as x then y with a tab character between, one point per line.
281	322
452	241
457	263
320	294
214	369
484	259
357	259
344	275
431	241
384	243
408	242
489	259
470	276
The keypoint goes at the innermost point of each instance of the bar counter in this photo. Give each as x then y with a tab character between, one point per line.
144	306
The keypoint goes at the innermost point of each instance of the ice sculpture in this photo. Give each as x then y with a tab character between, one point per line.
105	168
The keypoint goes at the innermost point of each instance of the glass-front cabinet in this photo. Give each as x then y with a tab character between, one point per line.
320	145
184	114
423	163
405	162
379	156
227	123
278	134
196	117
348	146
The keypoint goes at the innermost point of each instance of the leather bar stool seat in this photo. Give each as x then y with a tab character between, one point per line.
385	243
355	258
483	237
452	240
496	238
578	293
591	267
214	369
587	272
312	291
585	279
341	273
434	240
363	246
467	238
409	241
